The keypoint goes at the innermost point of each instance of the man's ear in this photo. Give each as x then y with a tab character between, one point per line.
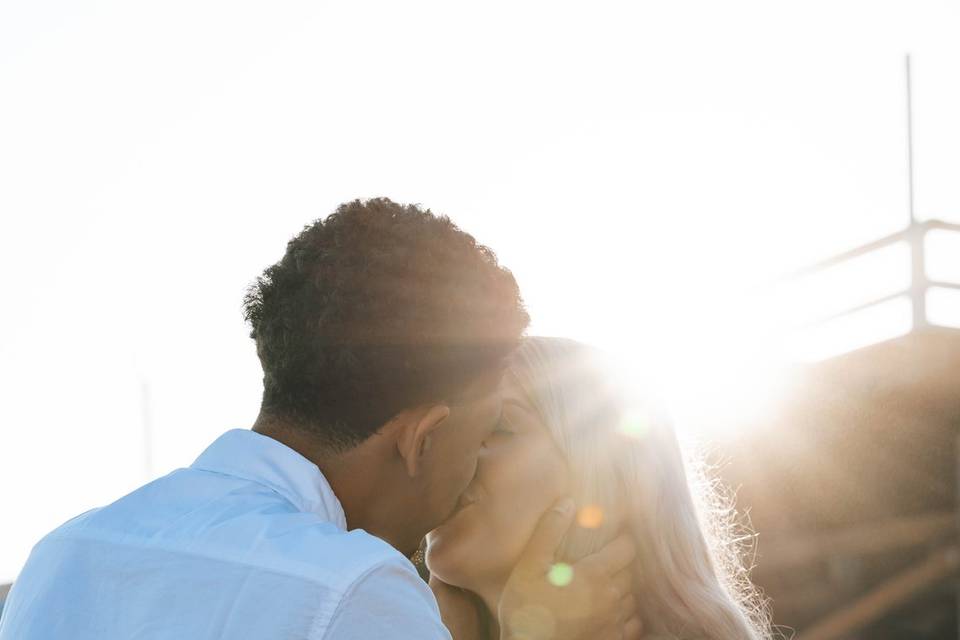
415	438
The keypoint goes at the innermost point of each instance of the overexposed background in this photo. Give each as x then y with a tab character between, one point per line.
639	165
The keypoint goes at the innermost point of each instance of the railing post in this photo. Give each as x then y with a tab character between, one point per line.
918	275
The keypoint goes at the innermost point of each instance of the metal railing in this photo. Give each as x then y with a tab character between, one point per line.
914	235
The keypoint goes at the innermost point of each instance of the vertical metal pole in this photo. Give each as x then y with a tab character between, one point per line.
917	231
918	276
913	218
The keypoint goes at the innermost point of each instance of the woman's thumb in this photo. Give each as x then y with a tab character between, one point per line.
540	551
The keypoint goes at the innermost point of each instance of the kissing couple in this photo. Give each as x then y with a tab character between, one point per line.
404	415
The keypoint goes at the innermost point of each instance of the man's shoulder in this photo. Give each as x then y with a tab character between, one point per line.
234	523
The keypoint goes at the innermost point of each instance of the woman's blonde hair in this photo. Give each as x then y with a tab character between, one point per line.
628	473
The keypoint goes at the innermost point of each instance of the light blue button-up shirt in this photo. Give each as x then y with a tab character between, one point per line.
248	542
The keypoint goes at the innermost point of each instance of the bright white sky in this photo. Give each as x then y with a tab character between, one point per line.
634	163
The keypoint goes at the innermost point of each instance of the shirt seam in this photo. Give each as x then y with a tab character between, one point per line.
106	537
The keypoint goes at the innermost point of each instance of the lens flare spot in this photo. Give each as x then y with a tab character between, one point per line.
590	517
560	574
635	426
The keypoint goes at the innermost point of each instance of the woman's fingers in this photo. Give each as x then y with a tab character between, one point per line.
614	557
633	629
623	582
539	553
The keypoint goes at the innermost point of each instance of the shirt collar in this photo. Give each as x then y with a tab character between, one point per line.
258	458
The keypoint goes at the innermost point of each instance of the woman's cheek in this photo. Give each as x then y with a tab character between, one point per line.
524	485
520	481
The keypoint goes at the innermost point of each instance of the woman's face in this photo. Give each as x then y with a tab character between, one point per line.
520	474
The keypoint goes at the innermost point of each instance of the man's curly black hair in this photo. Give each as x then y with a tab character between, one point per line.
375	309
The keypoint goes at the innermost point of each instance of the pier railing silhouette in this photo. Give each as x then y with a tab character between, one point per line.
914	236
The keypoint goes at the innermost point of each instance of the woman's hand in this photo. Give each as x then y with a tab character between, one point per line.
590	600
459	610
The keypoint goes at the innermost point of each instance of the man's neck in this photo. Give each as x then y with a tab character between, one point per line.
352	476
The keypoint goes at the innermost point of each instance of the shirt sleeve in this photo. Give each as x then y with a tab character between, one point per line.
388	601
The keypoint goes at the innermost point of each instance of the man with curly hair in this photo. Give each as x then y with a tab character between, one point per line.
382	333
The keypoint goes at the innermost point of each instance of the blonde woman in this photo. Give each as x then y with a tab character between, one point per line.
567	429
